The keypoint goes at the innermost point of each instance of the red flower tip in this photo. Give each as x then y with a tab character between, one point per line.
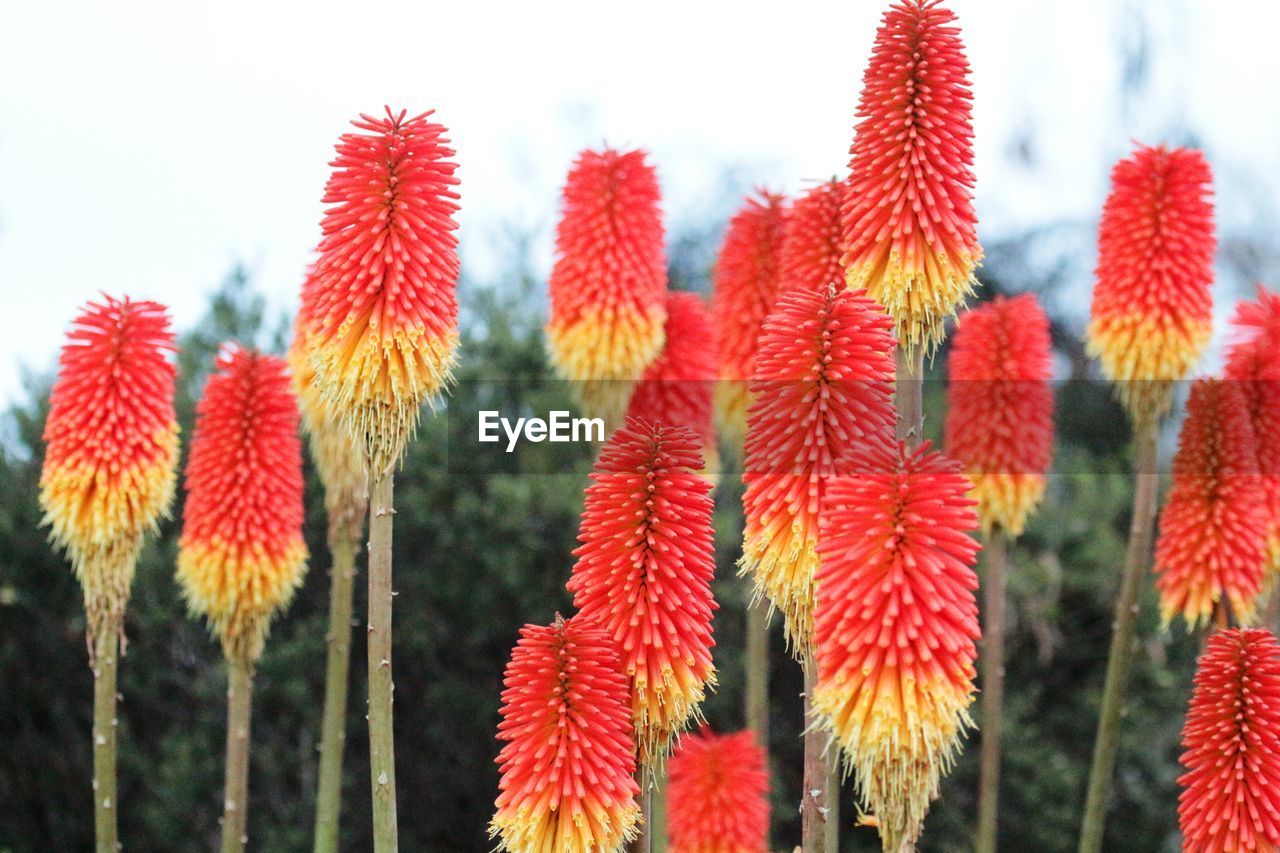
111	446
910	231
568	755
895	628
745	284
1253	362
609	282
644	571
1213	528
241	553
812	244
676	389
383	310
1232	746
1000	408
1152	310
823	386
718	794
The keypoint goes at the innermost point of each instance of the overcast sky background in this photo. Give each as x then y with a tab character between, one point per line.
146	147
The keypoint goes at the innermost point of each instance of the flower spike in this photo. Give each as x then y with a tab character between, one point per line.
676	390
745	284
1152	310
910	230
609	282
1230	797
1000	414
718	794
812	245
111	447
644	571
383	307
1253	362
241	553
895	628
1213	530
823	386
568	755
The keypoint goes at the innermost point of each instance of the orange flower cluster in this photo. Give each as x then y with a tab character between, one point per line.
609	282
241	553
745	284
111	447
823	385
812	239
568	759
676	390
1000	408
895	628
1230	798
1152	310
718	794
382	310
1253	362
910	233
1213	529
644	572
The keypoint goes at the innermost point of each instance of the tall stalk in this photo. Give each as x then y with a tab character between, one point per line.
382	760
993	594
235	800
106	650
1136	563
814	801
757	670
333	726
644	841
658	813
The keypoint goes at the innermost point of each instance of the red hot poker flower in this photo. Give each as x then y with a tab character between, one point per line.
383	308
910	231
676	389
895	628
241	553
1230	797
644	573
111	446
718	794
1000	408
823	386
812	244
745	283
609	282
1213	529
568	755
1152	310
1253	362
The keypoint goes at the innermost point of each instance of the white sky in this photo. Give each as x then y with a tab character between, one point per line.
145	147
